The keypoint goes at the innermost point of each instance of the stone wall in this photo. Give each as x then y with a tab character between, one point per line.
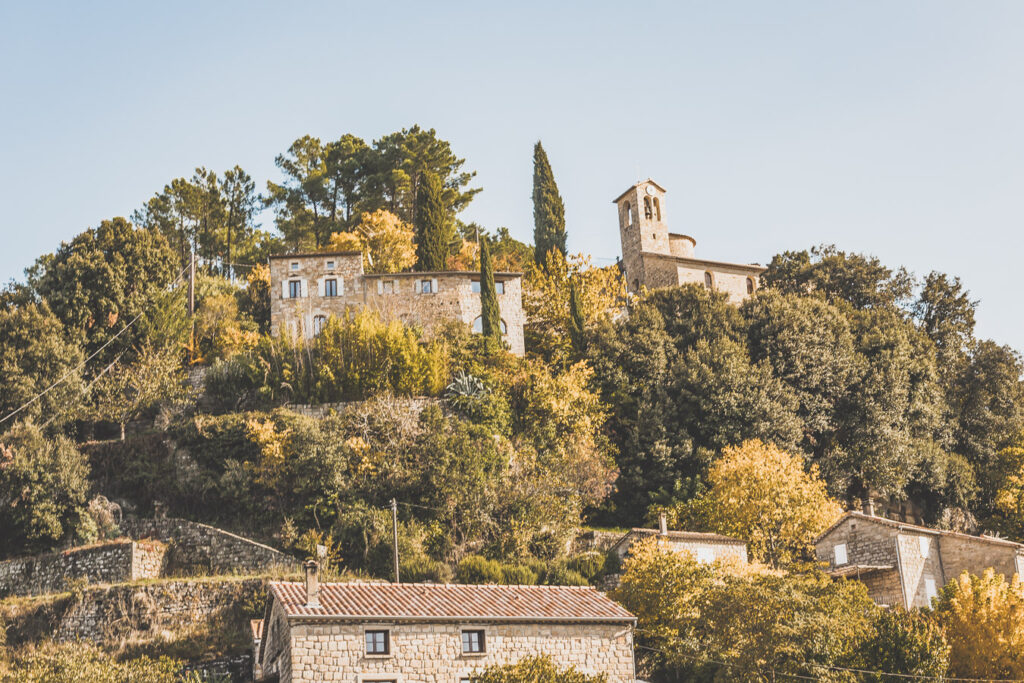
112	562
199	548
432	653
395	296
974	556
137	611
921	567
866	544
237	669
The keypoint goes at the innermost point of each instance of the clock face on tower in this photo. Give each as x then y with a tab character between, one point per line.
650	189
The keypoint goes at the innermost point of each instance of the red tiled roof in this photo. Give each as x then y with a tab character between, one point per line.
450	602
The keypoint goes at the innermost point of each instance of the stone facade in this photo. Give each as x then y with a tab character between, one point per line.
705	548
200	548
117	561
319	638
652	257
306	289
904	564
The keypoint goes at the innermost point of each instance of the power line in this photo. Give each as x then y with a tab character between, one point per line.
78	367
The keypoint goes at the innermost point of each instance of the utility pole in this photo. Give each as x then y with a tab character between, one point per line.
394	530
192	285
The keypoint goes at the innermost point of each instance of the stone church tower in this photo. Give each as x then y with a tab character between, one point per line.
654	257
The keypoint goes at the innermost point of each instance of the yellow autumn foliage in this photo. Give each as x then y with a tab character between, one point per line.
385	240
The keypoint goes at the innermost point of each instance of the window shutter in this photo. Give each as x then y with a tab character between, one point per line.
416	286
284	289
305	289
380	286
341	286
433	285
320	287
394	286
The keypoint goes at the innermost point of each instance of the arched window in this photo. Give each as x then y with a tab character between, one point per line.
750	285
478	326
709	281
318	324
629	214
657	209
647	208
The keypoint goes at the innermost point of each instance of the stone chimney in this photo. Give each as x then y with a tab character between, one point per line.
663	524
312	583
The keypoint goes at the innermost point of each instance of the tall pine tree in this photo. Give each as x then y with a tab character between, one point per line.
489	311
435	230
548	210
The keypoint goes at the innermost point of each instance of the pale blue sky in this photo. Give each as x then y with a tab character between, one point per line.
894	128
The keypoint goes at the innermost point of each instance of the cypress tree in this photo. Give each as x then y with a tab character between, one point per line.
435	230
548	210
489	311
576	321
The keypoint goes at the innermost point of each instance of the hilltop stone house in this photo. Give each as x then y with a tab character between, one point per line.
306	289
653	257
905	564
435	633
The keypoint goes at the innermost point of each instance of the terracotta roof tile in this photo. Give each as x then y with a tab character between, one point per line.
450	602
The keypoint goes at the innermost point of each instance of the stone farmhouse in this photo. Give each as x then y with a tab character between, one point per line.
306	289
653	257
435	633
905	564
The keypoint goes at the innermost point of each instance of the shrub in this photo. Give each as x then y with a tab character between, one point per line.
536	670
421	568
588	564
478	569
561	576
518	575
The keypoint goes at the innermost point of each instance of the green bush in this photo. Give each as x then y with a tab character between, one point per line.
421	568
478	569
518	575
561	576
589	564
536	670
82	662
353	357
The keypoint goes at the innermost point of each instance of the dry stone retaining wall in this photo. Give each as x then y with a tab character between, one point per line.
202	548
113	562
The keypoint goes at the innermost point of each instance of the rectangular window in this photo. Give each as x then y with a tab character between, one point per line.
331	287
330	265
294	289
388	286
378	643
840	551
929	588
295	265
425	287
499	286
318	323
925	545
473	642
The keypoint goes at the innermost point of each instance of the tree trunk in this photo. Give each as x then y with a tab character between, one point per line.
122	431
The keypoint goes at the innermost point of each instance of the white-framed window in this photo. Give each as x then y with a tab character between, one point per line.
426	286
474	641
478	325
318	324
294	266
387	286
330	265
925	544
331	287
840	554
378	641
295	289
499	286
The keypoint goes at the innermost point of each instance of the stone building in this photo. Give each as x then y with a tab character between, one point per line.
306	289
905	564
436	633
654	257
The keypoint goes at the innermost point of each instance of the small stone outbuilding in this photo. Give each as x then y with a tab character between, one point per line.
436	633
905	564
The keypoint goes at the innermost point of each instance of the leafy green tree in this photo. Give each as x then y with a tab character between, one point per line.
97	283
945	312
435	230
489	311
43	490
125	391
34	355
537	669
305	212
400	163
242	203
861	281
904	643
548	210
